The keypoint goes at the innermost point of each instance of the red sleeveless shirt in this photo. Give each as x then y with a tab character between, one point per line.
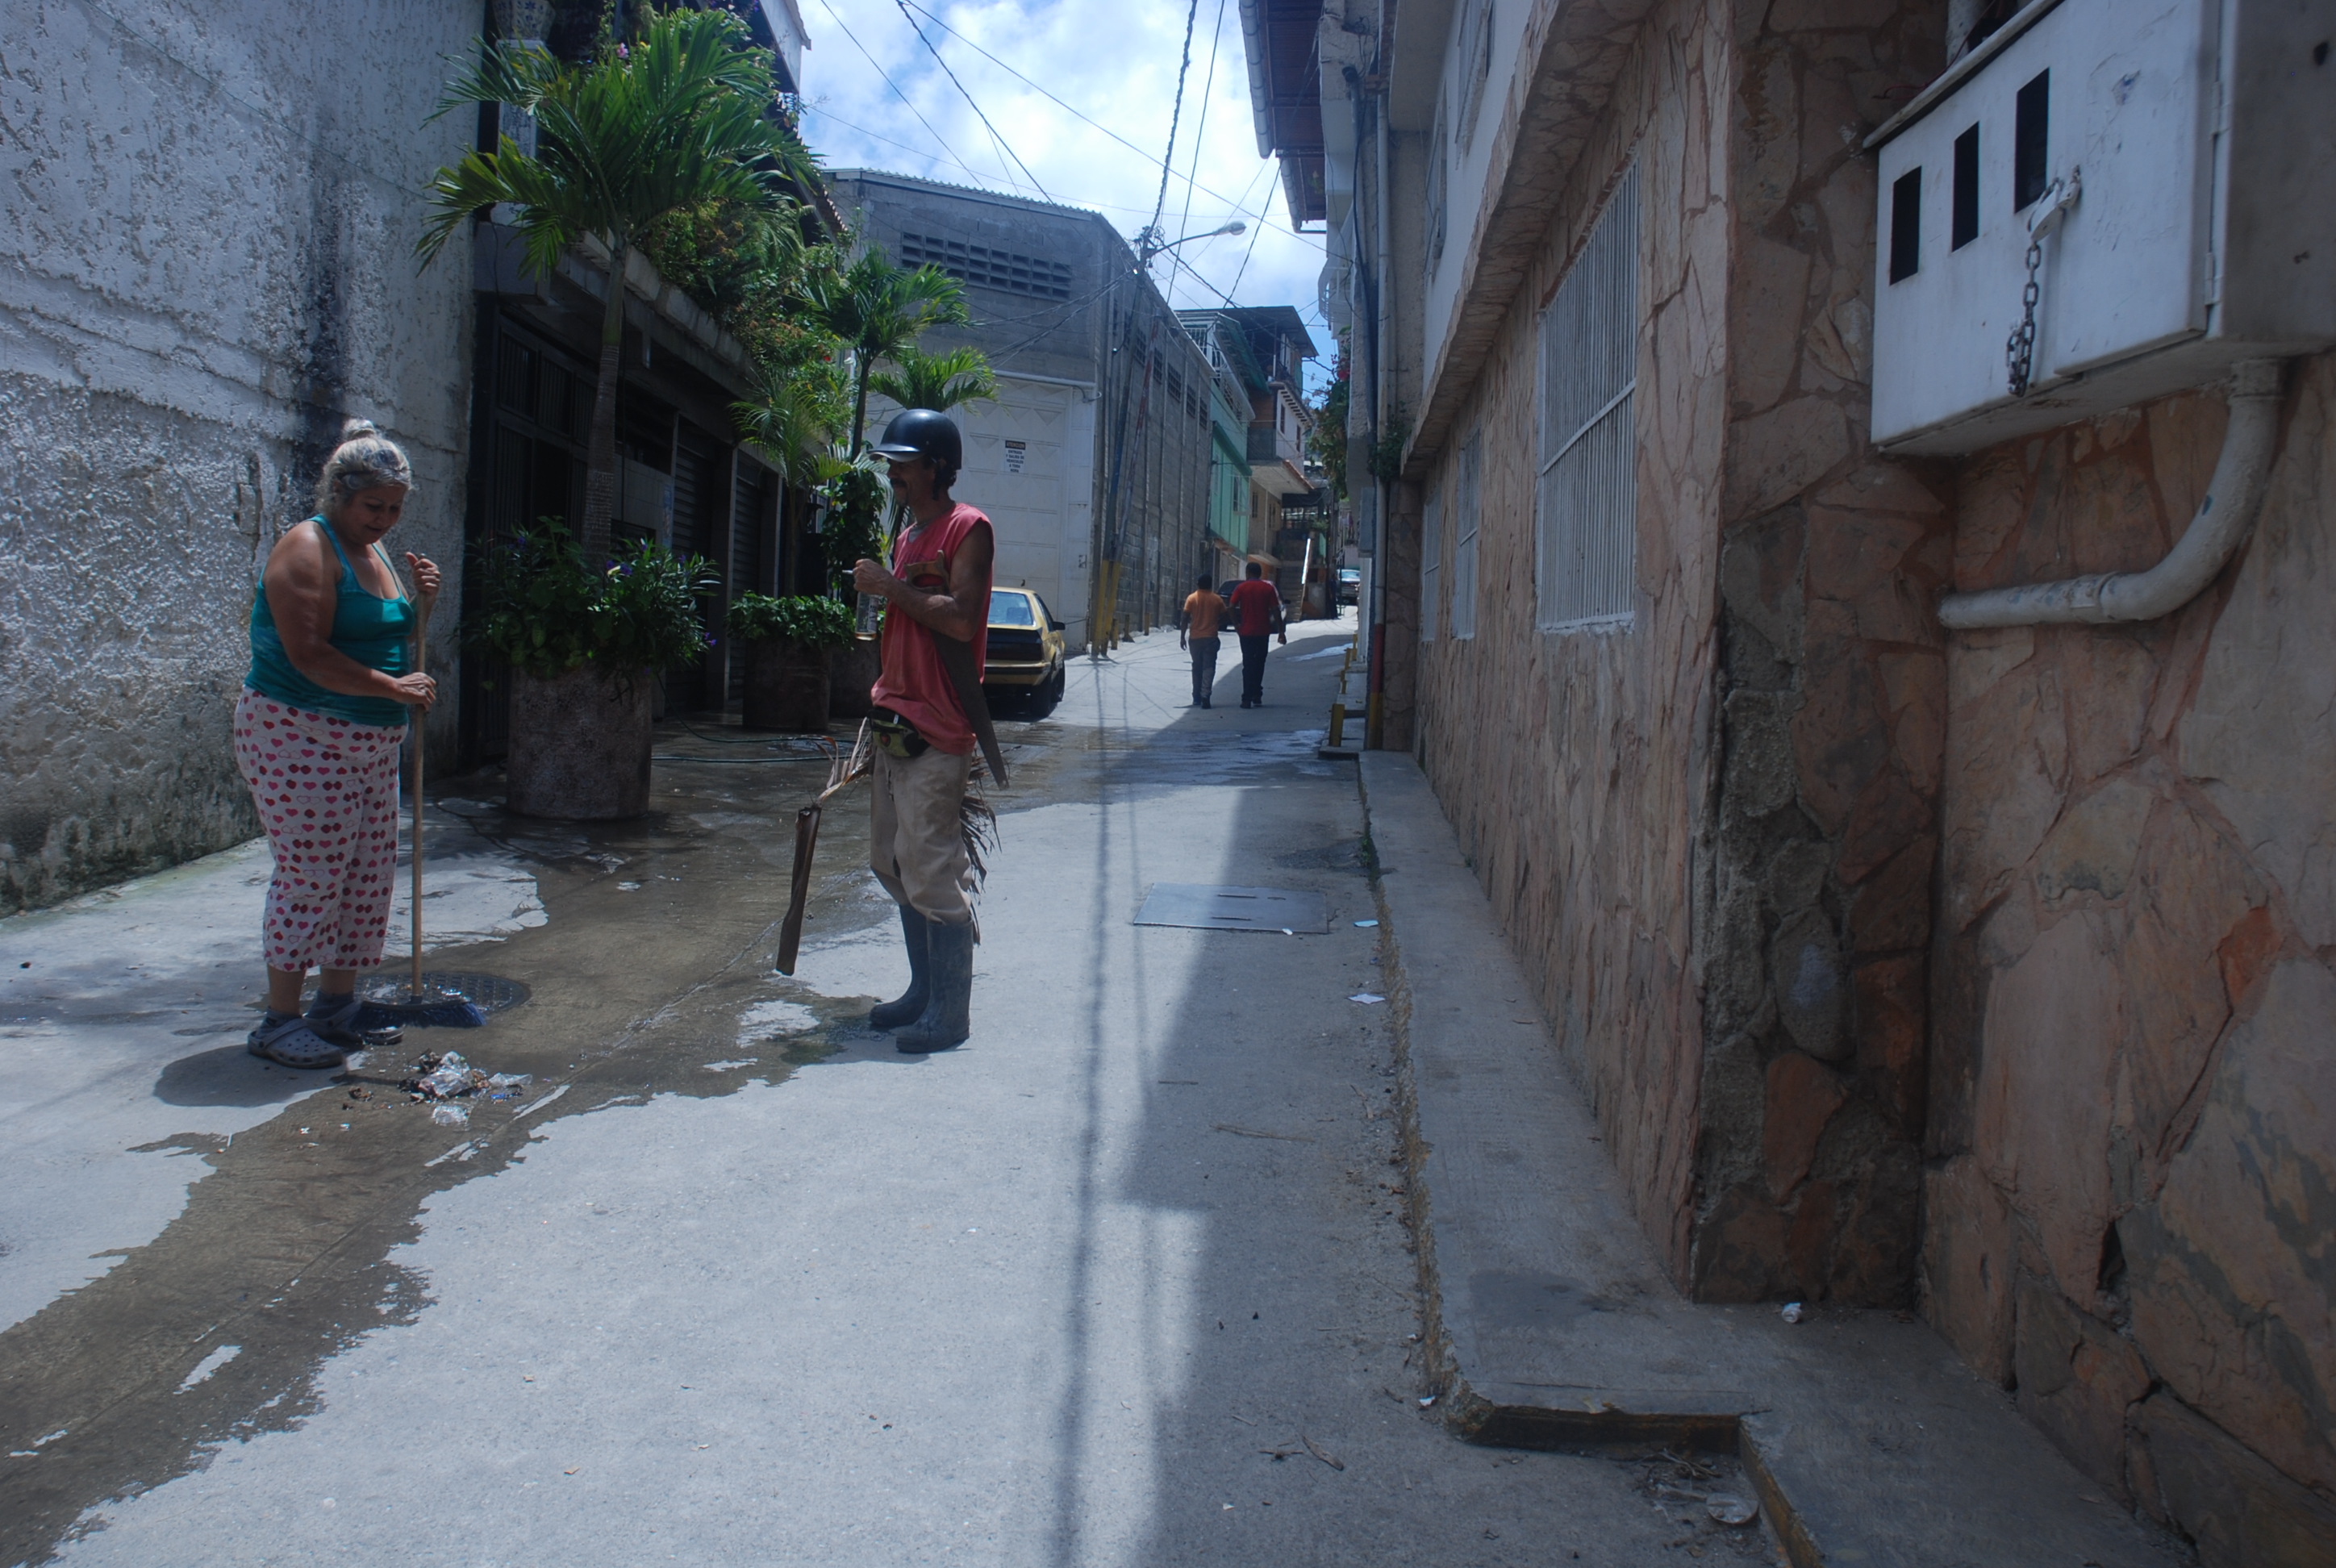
912	683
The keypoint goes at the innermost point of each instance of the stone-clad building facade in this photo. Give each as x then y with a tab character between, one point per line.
1985	971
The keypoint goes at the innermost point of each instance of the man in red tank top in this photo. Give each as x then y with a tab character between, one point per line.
937	585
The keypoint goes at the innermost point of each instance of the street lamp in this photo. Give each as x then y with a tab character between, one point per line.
1149	244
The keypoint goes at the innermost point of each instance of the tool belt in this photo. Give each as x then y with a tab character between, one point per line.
896	735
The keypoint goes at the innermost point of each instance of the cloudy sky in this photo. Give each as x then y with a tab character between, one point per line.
878	97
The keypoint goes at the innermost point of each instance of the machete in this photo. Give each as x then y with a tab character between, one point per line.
957	657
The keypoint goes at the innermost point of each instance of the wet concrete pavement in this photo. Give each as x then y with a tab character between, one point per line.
1125	1280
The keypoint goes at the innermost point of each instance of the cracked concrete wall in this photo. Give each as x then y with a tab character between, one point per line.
208	266
2131	1190
1816	868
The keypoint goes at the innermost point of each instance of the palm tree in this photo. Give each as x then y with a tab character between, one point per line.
679	119
795	416
878	310
936	381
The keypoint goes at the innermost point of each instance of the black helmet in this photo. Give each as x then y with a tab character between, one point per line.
924	432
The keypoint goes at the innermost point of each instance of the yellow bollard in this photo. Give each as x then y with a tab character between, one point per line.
1338	725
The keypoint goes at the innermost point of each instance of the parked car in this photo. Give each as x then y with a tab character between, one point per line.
1025	652
1350	585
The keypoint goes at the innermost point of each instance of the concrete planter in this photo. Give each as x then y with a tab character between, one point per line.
579	745
786	685
852	670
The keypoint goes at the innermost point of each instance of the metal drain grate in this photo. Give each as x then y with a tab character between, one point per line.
1211	908
488	993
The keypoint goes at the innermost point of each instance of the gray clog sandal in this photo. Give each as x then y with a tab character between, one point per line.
336	1020
294	1043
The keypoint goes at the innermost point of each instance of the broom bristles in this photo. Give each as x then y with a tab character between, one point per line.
977	824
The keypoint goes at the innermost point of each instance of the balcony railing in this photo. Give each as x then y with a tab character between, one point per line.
1270	443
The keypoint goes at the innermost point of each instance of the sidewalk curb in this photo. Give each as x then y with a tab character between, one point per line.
1549	1323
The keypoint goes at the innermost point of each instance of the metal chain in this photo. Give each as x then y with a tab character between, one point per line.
2019	348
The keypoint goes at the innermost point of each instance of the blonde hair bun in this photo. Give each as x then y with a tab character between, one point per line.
366	458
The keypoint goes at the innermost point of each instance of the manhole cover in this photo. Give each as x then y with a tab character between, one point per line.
1223	909
489	993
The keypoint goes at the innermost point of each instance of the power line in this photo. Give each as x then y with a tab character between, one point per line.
1255	235
810	109
1041	90
1263	168
823	112
938	140
1200	137
1175	117
944	64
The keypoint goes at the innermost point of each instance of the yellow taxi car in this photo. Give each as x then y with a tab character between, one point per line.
1025	652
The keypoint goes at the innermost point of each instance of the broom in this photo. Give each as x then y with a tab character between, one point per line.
841	771
428	1002
977	824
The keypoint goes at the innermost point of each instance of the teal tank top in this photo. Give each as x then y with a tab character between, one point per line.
375	632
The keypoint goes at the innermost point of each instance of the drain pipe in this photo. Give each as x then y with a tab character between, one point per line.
2233	496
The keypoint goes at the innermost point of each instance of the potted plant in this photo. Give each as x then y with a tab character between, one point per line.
583	640
786	643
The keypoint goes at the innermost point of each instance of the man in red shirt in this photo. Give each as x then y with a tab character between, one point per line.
1257	611
937	585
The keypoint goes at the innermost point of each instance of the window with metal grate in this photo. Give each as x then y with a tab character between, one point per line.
1585	504
1431	559
1475	67
1466	511
1438	157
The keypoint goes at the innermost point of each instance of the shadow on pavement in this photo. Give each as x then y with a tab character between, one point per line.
1278	1349
230	1075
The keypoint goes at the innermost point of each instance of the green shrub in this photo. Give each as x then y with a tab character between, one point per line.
814	622
546	610
857	499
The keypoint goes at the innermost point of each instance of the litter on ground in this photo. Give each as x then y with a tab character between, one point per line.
450	1077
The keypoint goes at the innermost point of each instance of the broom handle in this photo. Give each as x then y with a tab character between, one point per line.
421	654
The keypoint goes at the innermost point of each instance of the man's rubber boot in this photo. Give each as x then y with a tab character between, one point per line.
909	1006
949	972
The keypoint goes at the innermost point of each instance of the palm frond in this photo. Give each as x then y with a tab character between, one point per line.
680	119
936	381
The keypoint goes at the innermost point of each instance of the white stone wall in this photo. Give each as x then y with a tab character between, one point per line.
206	264
1041	511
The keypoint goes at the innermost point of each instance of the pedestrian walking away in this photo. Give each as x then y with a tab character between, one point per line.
1197	628
938	587
318	729
1257	609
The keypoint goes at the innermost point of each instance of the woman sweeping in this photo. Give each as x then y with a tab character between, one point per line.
318	730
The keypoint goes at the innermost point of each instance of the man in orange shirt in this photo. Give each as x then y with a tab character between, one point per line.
1257	610
1204	615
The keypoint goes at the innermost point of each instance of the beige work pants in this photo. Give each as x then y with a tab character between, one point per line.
916	845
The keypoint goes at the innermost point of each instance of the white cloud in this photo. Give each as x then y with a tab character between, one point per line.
1116	63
